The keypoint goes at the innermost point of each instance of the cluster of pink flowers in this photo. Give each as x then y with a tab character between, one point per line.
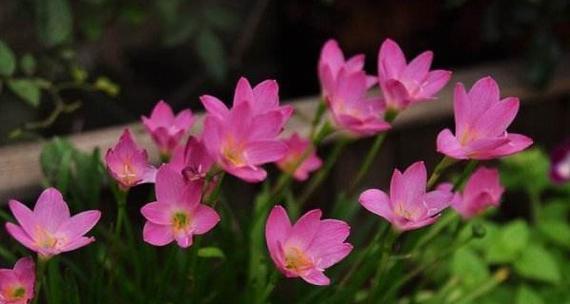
242	139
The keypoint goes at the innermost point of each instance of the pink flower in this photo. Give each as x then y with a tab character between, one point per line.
406	84
408	206
177	214
49	229
483	189
242	139
481	120
128	164
293	162
166	129
307	248
560	163
193	160
352	110
332	62
17	285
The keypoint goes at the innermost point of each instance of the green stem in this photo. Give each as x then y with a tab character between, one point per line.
212	199
320	177
382	266
370	156
317	118
40	271
436	229
500	276
121	199
471	166
271	283
439	169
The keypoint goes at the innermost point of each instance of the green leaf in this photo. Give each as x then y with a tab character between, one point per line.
28	64
211	252
55	159
54	22
508	243
211	51
7	60
538	264
557	232
469	267
526	171
526	295
28	90
106	86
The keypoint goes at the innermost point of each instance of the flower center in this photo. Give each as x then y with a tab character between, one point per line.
296	260
180	220
233	152
401	211
46	240
128	176
17	292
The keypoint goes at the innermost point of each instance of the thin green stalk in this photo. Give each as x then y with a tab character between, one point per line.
322	174
471	166
382	266
500	276
121	199
40	271
321	109
436	229
445	163
271	283
212	199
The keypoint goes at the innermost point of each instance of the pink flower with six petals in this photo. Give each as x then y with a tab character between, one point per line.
166	129
482	190
481	120
307	248
50	229
293	162
406	84
17	284
177	214
408	206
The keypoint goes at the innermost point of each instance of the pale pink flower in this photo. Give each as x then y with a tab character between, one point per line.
294	163
177	214
481	120
17	284
128	164
332	61
166	129
50	229
408	206
307	248
352	110
242	139
406	84
482	190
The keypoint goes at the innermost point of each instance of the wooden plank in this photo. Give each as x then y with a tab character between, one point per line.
20	169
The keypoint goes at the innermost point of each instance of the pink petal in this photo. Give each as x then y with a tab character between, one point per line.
51	210
356	63
204	219
412	225
266	94
264	151
250	174
157	213
162	114
316	277
79	224
395	94
391	60
305	229
331	56
448	145
267	125
25	268
157	235
484	180
483	94
212	135
21	236
78	243
169	185
499	116
24	216
516	143
437	200
486	148
333	254
418	68
184	240
377	202
461	109
214	106
243	92
277	230
434	82
409	189
184	120
351	87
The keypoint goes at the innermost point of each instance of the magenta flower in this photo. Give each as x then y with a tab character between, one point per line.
408	206
560	163
406	84
17	284
193	160
49	229
166	129
293	162
128	164
352	110
481	120
482	190
242	139
177	213
332	62
307	248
